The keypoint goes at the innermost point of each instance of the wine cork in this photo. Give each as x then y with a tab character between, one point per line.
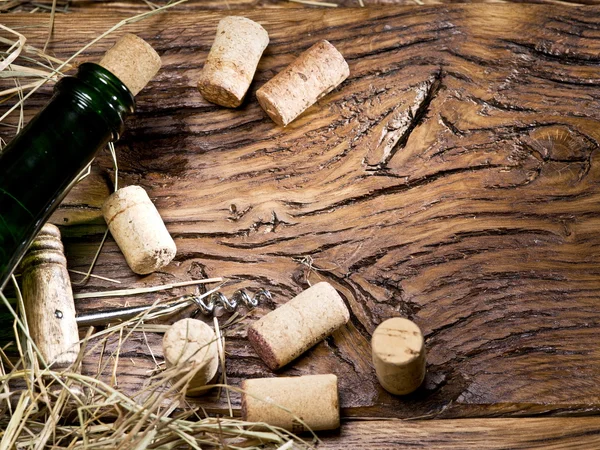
232	61
312	401
138	229
48	299
398	351
133	61
316	72
191	345
287	332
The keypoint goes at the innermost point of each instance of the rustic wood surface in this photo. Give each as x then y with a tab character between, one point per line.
131	5
452	179
483	434
136	6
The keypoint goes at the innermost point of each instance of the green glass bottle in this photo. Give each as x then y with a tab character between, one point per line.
39	166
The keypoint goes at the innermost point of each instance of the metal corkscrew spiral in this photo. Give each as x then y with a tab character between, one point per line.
230	304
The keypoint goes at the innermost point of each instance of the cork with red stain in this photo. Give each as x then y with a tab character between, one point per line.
287	332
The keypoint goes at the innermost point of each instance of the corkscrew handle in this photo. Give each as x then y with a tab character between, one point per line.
48	299
118	315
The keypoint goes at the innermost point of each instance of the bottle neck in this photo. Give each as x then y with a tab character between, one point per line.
95	87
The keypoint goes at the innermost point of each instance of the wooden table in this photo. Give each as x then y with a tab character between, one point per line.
451	179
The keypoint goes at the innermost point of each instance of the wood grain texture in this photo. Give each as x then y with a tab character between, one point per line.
451	179
200	5
133	6
481	434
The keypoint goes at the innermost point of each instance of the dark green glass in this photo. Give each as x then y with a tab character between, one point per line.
40	165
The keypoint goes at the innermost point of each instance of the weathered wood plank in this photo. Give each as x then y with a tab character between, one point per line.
481	434
195	5
452	179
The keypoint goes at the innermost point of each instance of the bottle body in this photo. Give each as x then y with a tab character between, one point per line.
39	166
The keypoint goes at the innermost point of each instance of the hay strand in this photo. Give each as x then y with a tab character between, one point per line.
146	290
315	3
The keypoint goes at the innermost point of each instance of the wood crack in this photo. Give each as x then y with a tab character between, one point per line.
496	104
397	131
330	341
545	51
391	190
448	124
497	343
394	48
372	259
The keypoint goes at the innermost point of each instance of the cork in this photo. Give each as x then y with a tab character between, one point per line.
287	332
232	61
138	229
313	399
316	72
191	345
48	299
133	61
398	350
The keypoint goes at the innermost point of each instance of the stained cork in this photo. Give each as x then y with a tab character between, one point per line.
48	299
398	351
191	345
232	61
138	229
133	61
287	332
312	402
316	72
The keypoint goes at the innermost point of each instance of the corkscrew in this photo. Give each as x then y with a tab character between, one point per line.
232	303
172	306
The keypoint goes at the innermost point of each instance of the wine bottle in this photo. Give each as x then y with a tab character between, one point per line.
40	165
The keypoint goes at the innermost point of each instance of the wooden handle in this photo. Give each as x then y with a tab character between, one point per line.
48	299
